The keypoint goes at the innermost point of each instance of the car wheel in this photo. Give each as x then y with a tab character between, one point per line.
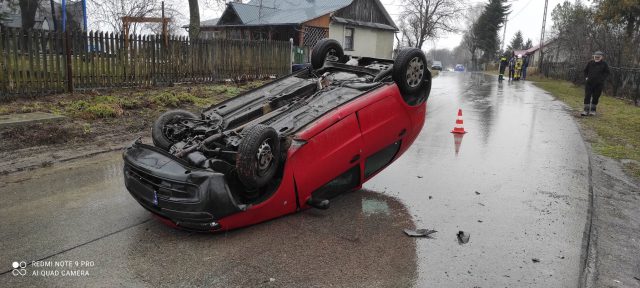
326	49
258	156
166	127
410	71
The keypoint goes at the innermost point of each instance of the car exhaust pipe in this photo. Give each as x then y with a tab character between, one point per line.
204	142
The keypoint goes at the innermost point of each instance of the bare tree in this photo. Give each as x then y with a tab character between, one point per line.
107	14
194	14
194	19
6	9
470	37
28	10
427	19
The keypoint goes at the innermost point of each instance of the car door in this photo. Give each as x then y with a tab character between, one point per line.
383	124
329	163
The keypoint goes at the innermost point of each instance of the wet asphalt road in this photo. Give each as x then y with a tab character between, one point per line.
523	155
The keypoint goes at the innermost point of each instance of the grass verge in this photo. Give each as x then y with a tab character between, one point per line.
614	132
115	112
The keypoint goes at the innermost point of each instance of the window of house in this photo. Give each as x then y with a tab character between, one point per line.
348	38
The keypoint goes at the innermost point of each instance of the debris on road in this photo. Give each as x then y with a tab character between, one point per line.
419	232
479	221
480	204
430	196
477	193
463	237
535	260
419	176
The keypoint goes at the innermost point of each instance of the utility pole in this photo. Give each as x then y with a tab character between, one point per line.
504	34
544	23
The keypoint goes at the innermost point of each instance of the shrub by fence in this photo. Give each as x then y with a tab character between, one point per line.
41	62
623	82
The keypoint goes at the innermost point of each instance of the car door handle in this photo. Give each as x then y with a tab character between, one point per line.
404	131
355	158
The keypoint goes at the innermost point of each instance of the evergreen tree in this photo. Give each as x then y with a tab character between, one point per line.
487	27
517	43
529	44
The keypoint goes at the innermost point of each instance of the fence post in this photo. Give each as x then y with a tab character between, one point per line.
153	43
3	66
68	44
290	56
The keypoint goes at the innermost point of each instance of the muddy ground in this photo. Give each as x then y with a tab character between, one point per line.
97	121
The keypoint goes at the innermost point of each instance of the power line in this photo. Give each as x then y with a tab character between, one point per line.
522	9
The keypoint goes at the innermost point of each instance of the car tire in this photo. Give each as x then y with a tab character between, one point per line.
324	48
410	71
158	136
253	170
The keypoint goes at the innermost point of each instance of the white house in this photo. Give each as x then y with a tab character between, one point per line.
363	27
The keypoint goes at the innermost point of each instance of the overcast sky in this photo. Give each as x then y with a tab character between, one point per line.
526	15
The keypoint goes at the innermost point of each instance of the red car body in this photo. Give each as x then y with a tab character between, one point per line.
362	127
334	138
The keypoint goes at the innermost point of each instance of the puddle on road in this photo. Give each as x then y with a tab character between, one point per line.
374	206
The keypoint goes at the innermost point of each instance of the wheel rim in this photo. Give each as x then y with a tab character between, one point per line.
415	71
265	156
172	127
331	55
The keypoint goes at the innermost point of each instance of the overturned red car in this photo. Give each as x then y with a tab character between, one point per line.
291	144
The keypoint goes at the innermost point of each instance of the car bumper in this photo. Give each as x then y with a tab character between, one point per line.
193	199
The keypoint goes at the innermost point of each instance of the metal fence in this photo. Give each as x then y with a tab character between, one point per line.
623	82
42	62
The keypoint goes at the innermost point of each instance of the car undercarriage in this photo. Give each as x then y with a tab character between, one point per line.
240	155
213	140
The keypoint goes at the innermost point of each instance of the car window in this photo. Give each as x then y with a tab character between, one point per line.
380	159
343	183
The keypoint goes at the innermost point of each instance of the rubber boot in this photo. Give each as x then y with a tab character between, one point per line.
586	110
593	110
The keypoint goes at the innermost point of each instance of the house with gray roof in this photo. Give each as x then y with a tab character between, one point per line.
363	27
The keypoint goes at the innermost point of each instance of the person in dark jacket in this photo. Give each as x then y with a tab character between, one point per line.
595	74
525	64
503	66
512	68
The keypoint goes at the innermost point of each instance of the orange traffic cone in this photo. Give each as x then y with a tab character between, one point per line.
459	129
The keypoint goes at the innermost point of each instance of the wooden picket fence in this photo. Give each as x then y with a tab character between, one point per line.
41	62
